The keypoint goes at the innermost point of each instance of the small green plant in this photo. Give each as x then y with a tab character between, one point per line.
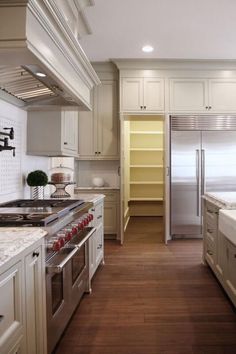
37	178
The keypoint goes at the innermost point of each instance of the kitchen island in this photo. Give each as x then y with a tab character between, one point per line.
219	238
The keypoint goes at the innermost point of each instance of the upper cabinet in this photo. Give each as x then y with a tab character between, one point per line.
98	130
52	133
142	95
202	95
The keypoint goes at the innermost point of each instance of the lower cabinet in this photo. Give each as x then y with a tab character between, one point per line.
111	210
96	241
22	305
219	252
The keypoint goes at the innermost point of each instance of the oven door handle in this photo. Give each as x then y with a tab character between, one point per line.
57	268
86	237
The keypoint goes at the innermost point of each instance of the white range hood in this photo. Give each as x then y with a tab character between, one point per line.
42	36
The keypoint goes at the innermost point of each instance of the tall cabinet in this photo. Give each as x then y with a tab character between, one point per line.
98	130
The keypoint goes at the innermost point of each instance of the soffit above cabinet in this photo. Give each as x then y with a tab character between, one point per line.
44	34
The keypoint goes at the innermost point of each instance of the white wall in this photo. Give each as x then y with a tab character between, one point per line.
13	170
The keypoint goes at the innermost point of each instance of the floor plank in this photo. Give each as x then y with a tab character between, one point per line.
150	298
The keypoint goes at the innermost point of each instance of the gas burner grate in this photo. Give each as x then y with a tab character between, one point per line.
11	218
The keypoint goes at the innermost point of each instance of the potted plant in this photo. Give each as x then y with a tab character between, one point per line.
37	180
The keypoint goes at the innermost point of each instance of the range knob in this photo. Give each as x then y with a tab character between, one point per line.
90	217
80	225
68	236
85	221
54	245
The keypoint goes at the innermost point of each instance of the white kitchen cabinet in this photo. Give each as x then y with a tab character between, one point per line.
11	309
98	130
22	305
111	210
202	95
34	296
96	241
230	272
142	95
53	133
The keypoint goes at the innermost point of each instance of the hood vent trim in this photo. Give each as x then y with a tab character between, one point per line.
19	83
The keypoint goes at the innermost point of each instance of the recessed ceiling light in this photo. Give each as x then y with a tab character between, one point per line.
147	49
40	74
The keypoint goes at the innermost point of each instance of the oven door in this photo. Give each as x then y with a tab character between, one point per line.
67	278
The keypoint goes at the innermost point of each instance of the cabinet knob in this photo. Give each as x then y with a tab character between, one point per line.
141	107
65	143
210	252
144	107
35	254
209	107
1	318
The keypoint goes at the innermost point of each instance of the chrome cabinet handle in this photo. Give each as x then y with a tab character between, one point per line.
198	182
99	247
210	252
99	217
209	231
203	171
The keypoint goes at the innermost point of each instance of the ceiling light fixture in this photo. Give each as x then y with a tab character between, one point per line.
40	74
147	49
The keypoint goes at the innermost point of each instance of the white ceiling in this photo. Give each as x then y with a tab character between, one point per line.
186	29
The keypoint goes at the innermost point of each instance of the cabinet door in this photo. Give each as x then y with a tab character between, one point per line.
153	90
35	305
222	95
221	260
99	244
11	307
231	271
70	131
188	95
87	136
131	94
107	119
110	218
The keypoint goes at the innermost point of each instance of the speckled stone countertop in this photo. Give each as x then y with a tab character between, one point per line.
87	197
14	240
97	188
223	200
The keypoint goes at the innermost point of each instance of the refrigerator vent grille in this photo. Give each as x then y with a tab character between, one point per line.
203	123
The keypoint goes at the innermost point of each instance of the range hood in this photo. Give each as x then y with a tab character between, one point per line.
41	60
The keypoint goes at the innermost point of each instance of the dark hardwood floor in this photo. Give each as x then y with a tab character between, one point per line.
150	298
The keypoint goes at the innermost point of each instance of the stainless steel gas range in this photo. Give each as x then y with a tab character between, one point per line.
67	265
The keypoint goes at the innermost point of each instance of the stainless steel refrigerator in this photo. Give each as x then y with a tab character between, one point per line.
203	158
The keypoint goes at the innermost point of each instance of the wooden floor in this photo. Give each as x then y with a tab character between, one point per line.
152	299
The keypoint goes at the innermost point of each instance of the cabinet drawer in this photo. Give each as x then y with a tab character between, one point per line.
211	214
211	231
11	320
111	197
97	212
210	252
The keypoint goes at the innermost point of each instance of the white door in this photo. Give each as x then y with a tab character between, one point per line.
87	137
131	94
153	94
222	95
188	95
70	130
107	119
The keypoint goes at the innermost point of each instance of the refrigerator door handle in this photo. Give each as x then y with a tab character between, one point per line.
203	171
198	182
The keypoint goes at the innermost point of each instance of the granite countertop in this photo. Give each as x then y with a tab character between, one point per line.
14	240
97	188
224	200
87	197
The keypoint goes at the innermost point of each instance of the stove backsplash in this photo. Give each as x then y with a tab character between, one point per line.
13	170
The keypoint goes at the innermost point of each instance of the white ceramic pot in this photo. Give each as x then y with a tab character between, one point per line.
98	182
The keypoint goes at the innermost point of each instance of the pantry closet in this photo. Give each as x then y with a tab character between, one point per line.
143	166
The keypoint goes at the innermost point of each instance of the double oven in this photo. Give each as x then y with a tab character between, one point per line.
68	223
